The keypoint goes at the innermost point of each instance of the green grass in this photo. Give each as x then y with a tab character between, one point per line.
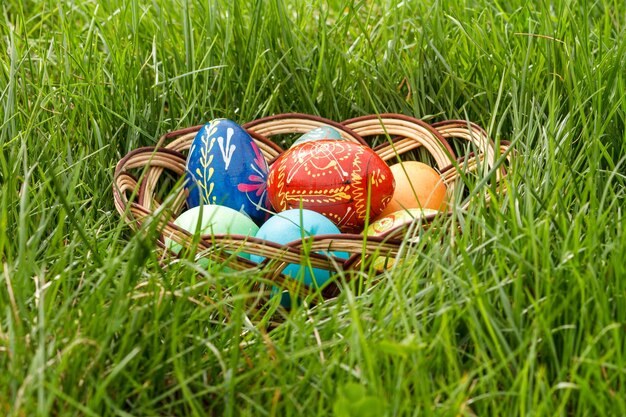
523	315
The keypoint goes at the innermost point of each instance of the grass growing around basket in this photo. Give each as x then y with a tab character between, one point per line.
522	313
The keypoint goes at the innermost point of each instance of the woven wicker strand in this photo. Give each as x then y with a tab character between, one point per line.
413	134
137	177
298	123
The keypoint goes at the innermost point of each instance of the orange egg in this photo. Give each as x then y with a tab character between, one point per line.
417	186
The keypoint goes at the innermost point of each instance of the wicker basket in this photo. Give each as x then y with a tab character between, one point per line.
136	195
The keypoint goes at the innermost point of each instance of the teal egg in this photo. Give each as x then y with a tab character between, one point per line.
291	225
319	133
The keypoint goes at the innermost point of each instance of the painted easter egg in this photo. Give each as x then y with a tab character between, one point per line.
215	220
226	167
398	219
319	133
291	225
332	177
417	186
402	219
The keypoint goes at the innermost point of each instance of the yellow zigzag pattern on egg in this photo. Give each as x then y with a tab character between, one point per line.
360	196
319	196
280	186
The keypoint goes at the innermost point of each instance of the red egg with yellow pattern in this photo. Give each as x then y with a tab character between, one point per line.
332	177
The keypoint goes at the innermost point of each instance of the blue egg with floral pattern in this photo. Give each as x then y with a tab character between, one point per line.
225	166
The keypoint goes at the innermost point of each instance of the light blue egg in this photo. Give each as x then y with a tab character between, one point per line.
319	133
226	167
290	225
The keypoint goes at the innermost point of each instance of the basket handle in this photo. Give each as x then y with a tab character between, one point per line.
286	123
412	133
154	161
462	129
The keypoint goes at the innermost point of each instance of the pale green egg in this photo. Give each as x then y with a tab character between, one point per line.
214	220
